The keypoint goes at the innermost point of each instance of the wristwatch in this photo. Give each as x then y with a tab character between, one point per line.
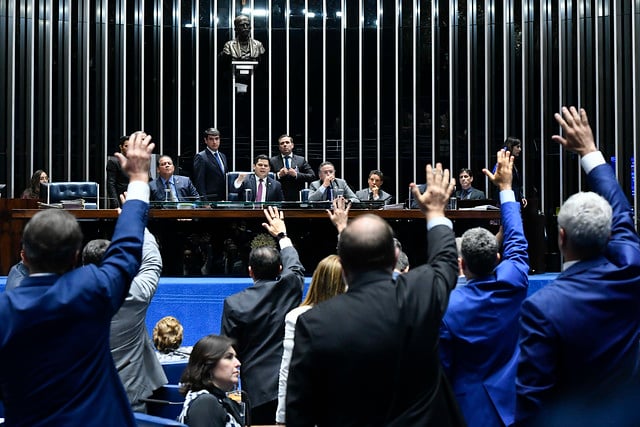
281	235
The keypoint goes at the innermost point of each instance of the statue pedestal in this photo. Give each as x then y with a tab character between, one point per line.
241	107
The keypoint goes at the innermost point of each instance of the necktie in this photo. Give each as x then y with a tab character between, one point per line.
371	195
287	162
329	193
172	194
217	156
259	192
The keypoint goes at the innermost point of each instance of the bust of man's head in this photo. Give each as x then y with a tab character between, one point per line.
242	27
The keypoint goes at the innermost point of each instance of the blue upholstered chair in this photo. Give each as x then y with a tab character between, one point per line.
55	192
173	370
165	402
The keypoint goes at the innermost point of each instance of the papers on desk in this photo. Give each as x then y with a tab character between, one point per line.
481	208
393	207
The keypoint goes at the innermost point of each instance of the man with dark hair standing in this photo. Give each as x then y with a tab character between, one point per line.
117	179
210	168
262	186
54	342
291	170
131	347
369	357
255	317
479	333
579	335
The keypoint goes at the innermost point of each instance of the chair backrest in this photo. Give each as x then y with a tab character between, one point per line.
232	191
55	192
174	369
165	402
146	420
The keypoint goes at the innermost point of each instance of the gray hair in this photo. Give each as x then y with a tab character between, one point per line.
479	249
586	220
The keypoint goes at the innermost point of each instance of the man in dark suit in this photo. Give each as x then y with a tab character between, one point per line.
180	187
369	357
466	191
117	179
56	365
328	186
579	335
255	317
210	167
263	187
373	191
479	333
291	170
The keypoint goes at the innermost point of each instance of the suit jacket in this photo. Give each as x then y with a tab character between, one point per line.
56	365
186	192
369	357
131	347
255	319
210	180
117	181
274	189
291	186
317	190
363	195
580	333
479	333
474	194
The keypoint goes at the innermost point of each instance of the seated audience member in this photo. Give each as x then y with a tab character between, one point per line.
291	170
18	272
168	333
328	186
262	186
117	178
479	332
70	378
326	283
255	316
213	371
33	190
370	356
466	191
131	347
579	335
180	187
374	192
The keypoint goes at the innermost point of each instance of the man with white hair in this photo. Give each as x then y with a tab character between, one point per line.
579	335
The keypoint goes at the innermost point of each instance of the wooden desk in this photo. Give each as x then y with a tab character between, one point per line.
310	229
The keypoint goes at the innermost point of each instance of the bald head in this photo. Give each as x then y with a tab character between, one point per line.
367	244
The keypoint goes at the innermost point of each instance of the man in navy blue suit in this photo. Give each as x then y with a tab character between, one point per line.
210	167
579	335
56	366
479	332
169	187
271	189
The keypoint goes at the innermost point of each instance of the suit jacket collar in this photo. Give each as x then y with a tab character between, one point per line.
583	266
46	279
367	278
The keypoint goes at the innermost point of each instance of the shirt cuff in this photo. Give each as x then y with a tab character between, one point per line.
285	242
138	190
439	221
591	160
507	196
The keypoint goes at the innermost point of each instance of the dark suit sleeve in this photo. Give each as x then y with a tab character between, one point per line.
301	382
443	260
112	193
230	326
199	169
278	195
305	172
192	193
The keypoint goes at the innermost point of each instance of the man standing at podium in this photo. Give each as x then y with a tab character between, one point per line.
291	170
210	167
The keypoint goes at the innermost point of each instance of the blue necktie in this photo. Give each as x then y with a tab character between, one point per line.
287	163
329	193
217	156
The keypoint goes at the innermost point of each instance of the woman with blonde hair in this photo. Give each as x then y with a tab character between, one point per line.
167	337
326	283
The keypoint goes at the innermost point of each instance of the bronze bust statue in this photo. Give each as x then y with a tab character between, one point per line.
243	47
